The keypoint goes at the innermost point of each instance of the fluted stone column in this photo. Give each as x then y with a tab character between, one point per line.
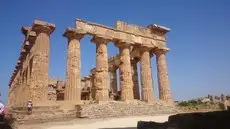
14	103
40	66
126	84
28	82
13	98
17	89
113	80
88	85
20	91
20	86
26	59
24	88
91	85
101	75
73	67
136	92
9	98
29	41
93	89
163	82
146	75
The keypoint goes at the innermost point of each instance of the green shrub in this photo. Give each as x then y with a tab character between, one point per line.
183	103
191	103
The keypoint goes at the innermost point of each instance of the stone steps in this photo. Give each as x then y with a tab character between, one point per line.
37	108
41	115
93	110
35	112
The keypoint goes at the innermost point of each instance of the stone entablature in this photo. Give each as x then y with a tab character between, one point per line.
126	37
152	31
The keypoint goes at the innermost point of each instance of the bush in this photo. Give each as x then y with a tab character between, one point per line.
183	103
192	103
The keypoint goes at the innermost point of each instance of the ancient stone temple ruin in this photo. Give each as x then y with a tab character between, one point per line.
30	79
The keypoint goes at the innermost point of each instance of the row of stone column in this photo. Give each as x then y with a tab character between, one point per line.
31	80
146	76
72	90
36	87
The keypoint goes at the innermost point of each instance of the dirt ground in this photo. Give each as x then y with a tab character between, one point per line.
109	123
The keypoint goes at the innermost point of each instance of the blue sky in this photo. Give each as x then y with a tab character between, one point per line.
199	60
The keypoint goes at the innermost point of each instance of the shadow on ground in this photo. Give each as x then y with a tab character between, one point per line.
5	126
199	120
121	128
7	123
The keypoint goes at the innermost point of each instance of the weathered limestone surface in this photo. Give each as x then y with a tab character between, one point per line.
93	89
146	76
40	60
126	84
101	75
121	109
52	96
25	67
113	80
163	82
73	73
116	34
136	92
142	31
30	76
86	88
20	91
31	72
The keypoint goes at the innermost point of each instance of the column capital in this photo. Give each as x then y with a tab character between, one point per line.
144	48
29	34
72	33
30	37
43	27
159	52
123	44
25	30
100	39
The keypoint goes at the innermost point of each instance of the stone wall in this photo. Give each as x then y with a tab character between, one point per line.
121	109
